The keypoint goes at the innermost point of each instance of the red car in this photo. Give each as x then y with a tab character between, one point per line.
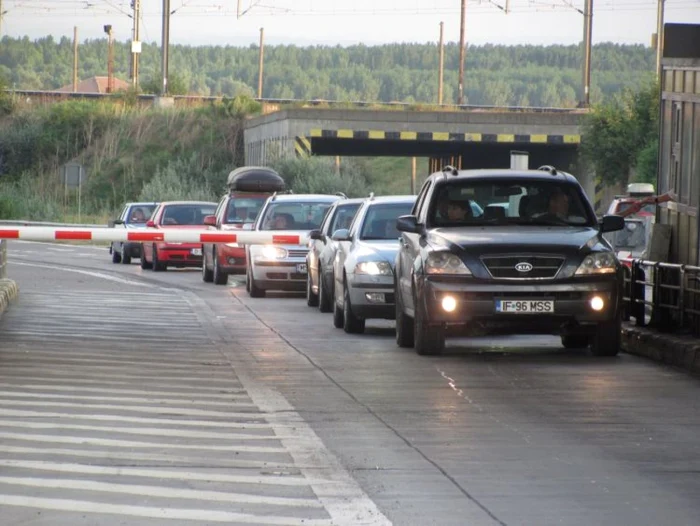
248	189
180	215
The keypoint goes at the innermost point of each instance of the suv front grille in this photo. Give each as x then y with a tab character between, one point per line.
542	266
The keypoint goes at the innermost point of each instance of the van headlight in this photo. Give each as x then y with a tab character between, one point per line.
445	263
273	252
374	268
597	263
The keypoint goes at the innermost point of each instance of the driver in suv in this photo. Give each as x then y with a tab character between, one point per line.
534	261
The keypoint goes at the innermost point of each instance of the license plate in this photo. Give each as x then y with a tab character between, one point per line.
301	268
196	251
525	306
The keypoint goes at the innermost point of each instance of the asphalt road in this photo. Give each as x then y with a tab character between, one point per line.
142	398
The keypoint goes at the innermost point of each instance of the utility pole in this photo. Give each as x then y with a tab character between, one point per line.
462	44
413	176
260	63
136	43
587	42
164	48
441	67
75	58
659	36
110	59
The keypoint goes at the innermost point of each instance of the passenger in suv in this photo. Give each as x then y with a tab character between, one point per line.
538	265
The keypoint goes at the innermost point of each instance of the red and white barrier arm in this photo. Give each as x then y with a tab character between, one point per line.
246	237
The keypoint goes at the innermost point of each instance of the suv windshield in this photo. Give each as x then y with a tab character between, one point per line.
504	202
294	215
380	221
243	209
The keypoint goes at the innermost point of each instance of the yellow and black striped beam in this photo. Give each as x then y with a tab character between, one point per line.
444	136
302	146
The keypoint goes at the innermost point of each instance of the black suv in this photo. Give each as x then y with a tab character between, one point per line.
534	261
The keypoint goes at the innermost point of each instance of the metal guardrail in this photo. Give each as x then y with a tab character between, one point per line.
665	296
17	222
3	259
314	102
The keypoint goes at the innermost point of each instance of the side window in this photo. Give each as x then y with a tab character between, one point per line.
358	220
325	227
124	215
418	207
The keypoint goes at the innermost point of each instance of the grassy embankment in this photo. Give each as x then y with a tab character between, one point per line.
150	154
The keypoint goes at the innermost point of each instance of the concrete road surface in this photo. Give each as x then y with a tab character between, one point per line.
143	398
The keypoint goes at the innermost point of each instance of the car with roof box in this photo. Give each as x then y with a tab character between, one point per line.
541	267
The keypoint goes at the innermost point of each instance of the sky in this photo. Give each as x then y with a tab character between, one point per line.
346	22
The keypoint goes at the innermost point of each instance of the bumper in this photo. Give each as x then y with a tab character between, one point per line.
476	305
372	296
280	275
180	256
232	260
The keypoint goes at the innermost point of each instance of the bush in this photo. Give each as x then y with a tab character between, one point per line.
317	175
181	179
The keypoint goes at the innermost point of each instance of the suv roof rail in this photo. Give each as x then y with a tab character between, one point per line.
451	169
548	168
341	194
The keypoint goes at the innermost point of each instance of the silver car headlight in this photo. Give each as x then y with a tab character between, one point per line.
273	252
374	268
445	263
597	263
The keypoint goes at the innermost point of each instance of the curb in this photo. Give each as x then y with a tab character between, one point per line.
8	292
679	351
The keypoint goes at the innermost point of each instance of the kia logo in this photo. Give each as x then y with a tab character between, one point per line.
523	267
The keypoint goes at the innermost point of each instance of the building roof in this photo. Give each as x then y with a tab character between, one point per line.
96	85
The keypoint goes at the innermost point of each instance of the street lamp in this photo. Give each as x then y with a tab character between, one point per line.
110	58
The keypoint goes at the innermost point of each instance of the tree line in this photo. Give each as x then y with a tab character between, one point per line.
523	75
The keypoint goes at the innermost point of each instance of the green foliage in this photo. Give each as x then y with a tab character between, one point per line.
495	74
241	106
30	199
619	134
7	104
647	163
180	179
318	175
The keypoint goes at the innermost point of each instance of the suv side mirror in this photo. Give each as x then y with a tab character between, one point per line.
317	235
118	222
409	224
150	223
210	220
342	234
612	223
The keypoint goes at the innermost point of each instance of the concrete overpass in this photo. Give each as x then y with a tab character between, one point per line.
472	138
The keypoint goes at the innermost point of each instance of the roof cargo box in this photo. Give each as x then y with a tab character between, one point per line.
255	179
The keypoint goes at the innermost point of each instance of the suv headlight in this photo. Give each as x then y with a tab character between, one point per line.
374	268
272	252
445	263
597	263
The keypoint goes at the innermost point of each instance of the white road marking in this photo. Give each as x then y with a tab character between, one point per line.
155	431
151	400
136	419
340	494
234	394
201	516
155	491
133	443
185	389
89	273
164	474
97	456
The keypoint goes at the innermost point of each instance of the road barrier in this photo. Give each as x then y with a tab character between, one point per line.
665	296
171	235
3	259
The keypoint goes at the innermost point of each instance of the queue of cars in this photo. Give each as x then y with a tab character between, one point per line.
495	251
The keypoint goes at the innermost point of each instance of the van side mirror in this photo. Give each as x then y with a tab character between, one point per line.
409	224
210	220
612	223
342	234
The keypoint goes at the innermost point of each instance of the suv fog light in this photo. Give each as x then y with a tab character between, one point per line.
597	303
375	297
449	304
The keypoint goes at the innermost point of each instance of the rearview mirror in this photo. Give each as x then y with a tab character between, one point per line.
317	235
210	220
612	223
342	234
150	223
409	224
